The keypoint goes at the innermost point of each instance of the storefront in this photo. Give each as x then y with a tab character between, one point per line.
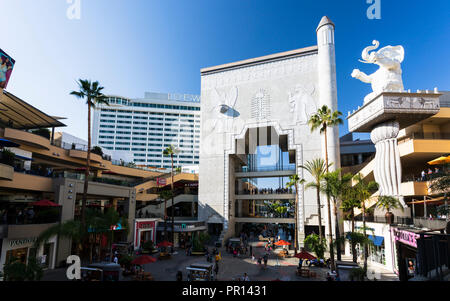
184	231
380	251
405	247
144	230
22	250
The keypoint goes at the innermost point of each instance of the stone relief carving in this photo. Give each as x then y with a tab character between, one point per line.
302	104
261	105
270	70
388	78
223	109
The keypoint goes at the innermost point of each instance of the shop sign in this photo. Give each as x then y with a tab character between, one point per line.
146	225
405	237
20	242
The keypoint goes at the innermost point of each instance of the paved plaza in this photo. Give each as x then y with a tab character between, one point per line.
231	268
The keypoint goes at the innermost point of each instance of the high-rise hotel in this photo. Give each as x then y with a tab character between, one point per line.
138	130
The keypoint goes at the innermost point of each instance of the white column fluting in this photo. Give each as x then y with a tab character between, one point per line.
387	171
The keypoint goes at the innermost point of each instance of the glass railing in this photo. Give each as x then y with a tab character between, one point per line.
266	168
263	191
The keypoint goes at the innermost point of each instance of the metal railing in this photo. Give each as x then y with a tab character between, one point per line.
381	219
422	136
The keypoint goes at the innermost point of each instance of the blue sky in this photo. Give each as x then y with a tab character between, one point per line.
135	46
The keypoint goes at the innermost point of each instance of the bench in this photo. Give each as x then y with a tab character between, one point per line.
197	253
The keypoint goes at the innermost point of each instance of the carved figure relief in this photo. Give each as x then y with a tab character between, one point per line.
301	102
261	105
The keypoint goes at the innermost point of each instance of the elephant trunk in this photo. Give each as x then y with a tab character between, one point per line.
366	55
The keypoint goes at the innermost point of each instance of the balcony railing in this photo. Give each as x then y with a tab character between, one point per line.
41	216
262	191
422	136
267	168
381	219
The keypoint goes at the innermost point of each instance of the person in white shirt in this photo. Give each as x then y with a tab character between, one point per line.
245	278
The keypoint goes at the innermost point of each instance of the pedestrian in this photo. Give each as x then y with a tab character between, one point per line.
265	261
216	269
259	260
423	175
245	278
116	260
179	276
251	250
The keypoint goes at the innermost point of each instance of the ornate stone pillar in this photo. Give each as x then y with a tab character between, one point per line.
388	170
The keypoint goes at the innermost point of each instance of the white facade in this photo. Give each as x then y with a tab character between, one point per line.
139	130
279	91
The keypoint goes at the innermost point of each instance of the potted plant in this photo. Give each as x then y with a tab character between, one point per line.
387	203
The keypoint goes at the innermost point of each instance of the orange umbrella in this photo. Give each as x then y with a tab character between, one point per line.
164	244
440	160
282	243
144	259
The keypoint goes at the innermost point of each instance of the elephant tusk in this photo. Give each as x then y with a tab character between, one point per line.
365	62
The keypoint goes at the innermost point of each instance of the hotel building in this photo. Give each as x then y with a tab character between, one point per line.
138	130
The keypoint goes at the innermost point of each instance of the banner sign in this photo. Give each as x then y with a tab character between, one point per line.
405	237
6	67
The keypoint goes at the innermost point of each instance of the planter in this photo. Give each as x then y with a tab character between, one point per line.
389	218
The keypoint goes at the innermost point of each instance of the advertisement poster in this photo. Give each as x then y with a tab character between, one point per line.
6	67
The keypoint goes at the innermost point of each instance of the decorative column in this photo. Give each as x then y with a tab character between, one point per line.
388	170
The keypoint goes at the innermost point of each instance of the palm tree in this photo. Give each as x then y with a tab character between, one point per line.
97	224
388	203
336	187
295	181
316	244
348	205
323	119
171	151
317	169
363	192
92	92
165	195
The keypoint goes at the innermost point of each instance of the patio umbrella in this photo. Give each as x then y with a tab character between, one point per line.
282	243
440	160
144	259
44	203
304	255
7	143
164	244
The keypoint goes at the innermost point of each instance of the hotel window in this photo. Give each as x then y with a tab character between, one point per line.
123	143
122	148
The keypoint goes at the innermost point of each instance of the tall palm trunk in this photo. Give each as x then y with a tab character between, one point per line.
296	219
165	219
366	251
86	174
330	235
338	232
173	209
355	257
319	213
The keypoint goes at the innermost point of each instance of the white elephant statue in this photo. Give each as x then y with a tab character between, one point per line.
388	78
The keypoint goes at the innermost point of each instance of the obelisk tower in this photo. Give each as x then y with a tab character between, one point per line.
327	84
